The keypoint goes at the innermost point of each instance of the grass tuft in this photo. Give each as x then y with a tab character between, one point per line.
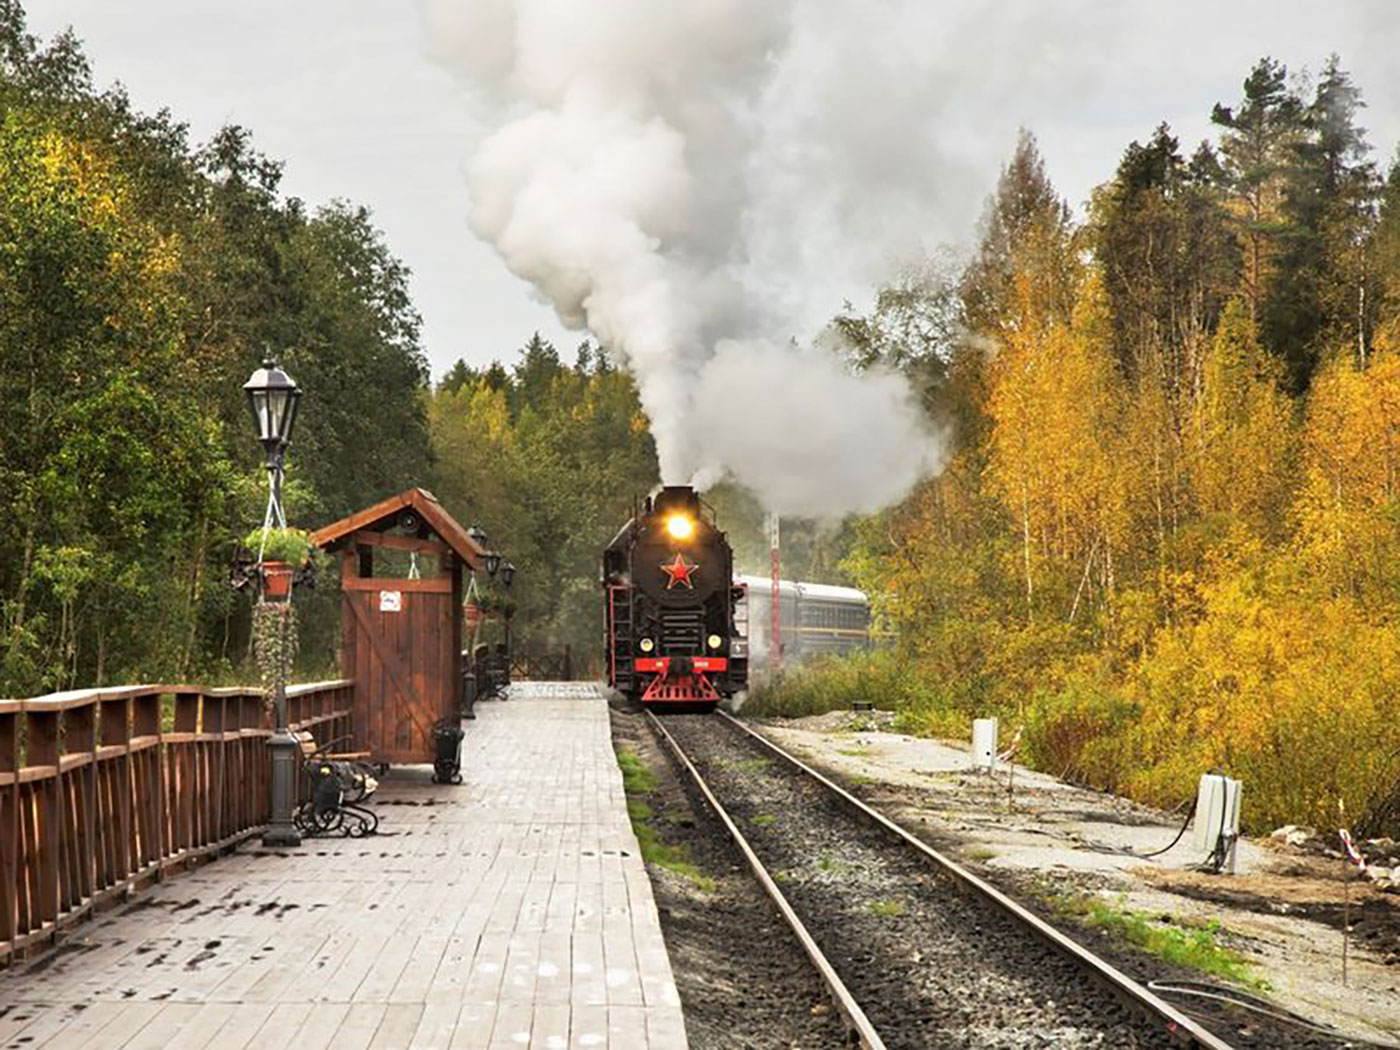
763	820
1196	947
637	779
886	909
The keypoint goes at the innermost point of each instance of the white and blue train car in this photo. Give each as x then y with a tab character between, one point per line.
814	618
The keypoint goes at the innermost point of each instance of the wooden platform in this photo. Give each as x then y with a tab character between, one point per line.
510	911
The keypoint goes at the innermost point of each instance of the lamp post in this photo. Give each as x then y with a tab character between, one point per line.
507	578
273	397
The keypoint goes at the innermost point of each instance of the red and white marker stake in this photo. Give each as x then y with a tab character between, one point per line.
1354	858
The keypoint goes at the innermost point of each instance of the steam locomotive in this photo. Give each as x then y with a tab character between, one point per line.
673	613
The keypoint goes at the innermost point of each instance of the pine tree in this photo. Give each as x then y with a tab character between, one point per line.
458	376
1161	237
1025	229
1325	294
1255	143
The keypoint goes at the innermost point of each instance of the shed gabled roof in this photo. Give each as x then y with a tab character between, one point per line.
387	511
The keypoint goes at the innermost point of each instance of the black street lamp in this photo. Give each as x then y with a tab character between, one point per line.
507	577
490	559
273	397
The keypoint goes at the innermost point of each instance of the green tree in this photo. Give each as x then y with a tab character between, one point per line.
1255	140
141	279
1326	291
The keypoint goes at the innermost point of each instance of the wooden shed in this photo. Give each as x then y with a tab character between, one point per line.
401	634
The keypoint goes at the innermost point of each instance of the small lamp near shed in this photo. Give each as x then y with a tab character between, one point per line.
507	574
493	562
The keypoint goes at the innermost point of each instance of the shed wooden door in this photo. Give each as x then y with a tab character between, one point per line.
401	638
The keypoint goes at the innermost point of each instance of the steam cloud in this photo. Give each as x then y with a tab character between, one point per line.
686	181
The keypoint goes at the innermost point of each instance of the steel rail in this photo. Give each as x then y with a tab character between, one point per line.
856	1020
1138	997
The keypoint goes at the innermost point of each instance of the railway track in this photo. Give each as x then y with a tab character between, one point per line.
915	950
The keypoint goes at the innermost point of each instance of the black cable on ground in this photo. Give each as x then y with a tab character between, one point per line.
1100	847
1184	824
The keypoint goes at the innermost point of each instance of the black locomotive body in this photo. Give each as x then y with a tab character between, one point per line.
673	613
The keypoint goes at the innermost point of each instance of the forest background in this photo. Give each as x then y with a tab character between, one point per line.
1165	539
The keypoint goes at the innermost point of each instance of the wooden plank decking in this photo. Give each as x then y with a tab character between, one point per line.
510	911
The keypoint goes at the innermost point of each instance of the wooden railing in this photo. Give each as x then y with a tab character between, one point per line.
105	790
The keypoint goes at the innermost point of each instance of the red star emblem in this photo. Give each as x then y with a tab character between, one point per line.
679	572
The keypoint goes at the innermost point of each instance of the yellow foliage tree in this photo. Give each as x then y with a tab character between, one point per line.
1056	405
1347	510
1245	440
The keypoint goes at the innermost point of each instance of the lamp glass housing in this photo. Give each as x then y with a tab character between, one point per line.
273	397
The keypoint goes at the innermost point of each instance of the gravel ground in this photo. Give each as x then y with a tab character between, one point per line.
744	981
931	966
1272	912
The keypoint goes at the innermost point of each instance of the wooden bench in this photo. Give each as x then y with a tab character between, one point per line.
307	740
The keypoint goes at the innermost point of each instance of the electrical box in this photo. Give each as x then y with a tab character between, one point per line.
984	743
1218	818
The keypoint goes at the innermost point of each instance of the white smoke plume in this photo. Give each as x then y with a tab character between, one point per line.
685	181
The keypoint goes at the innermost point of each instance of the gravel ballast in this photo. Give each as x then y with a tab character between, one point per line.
931	965
744	981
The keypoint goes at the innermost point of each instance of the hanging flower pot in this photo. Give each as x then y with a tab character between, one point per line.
285	553
277	579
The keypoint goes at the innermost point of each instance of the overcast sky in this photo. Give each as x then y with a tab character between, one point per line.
343	92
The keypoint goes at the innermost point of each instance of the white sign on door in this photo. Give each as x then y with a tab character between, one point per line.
390	601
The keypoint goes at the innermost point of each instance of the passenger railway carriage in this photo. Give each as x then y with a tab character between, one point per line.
814	618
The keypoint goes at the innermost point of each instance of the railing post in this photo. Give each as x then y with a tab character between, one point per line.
211	725
116	787
80	756
41	752
9	825
183	795
153	842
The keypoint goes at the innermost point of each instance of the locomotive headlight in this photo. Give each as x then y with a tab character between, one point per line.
680	527
715	641
646	645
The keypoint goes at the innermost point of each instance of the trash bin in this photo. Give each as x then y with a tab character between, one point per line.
469	694
447	743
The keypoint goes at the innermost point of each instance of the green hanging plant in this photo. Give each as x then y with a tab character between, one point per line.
292	546
274	644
